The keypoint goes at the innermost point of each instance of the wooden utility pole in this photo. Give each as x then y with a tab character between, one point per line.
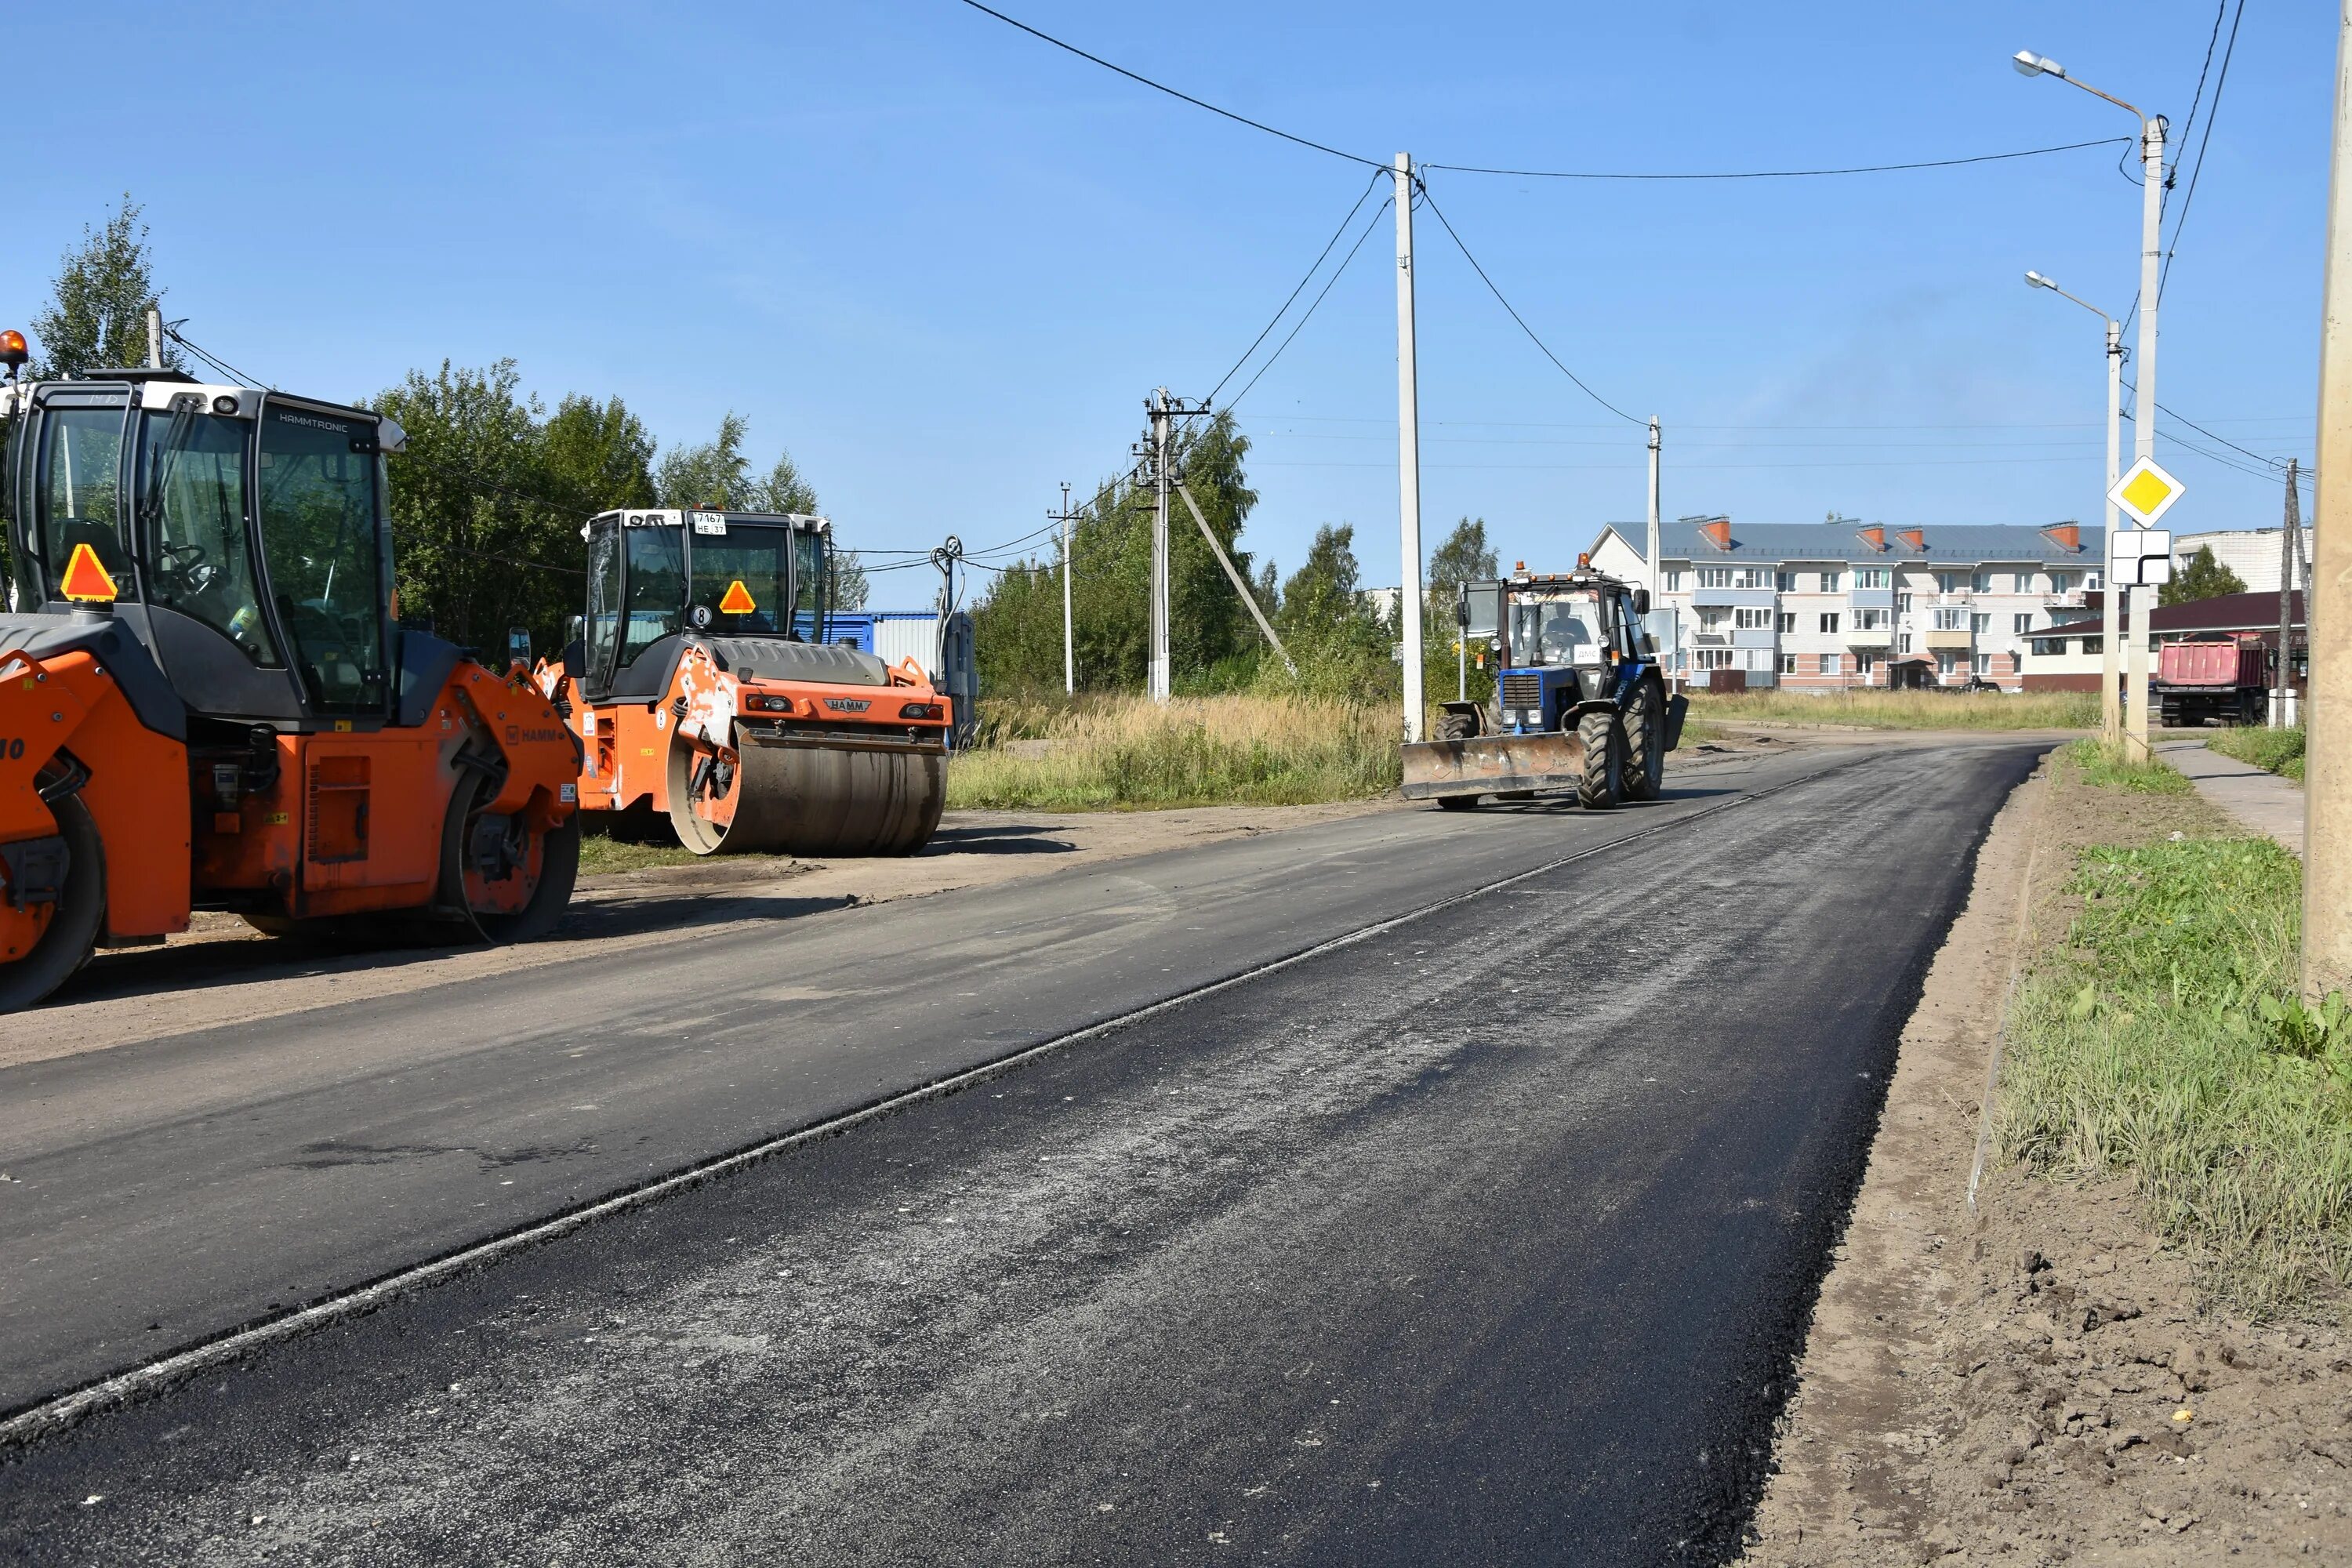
2328	591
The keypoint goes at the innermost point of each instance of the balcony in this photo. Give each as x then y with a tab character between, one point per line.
1874	598
1720	598
2077	600
1962	639
1869	636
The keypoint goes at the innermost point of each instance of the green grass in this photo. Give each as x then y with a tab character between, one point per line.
1904	710
600	855
2280	750
2106	766
1125	753
2164	1043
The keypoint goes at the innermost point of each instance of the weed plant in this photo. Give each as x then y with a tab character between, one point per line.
2108	766
2280	750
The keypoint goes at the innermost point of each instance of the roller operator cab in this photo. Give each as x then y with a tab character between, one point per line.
711	704
1579	702
204	701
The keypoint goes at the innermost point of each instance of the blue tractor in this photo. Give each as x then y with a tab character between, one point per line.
1579	700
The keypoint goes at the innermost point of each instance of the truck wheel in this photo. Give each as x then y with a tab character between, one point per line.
1603	740
1645	743
70	928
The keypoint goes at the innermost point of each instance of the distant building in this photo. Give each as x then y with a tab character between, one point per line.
2251	552
1824	607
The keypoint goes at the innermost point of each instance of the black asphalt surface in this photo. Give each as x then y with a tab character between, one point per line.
1487	1237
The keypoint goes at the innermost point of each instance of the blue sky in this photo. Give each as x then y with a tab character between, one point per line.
943	263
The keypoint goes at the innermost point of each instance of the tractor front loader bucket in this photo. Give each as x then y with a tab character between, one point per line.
1492	765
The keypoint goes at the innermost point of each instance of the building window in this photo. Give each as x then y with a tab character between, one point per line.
1949	581
1830	583
1713	618
1670	581
1980	665
2093	580
1947	619
1981	582
2049	648
1711	658
1752	620
1864	662
1787	620
1829	622
1870	620
1980	624
1786	581
1870	577
1830	664
1788	664
2061	582
2020	625
2095	645
2022	583
1904	646
1947	661
1715	576
1903	603
1752	577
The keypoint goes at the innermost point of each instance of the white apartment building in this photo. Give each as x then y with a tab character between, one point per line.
2251	552
1827	606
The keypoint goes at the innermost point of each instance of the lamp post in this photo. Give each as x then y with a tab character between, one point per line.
2110	644
2152	129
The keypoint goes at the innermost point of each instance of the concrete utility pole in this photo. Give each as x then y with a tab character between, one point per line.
1068	518
154	337
1233	575
2151	128
2110	641
2328	591
1408	453
2291	535
1657	584
1161	426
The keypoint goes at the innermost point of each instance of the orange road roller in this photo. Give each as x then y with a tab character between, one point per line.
204	702
710	704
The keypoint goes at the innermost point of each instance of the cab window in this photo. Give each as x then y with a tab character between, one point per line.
78	490
603	629
318	511
191	474
657	589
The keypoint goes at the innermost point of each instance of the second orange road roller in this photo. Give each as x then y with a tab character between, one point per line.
710	703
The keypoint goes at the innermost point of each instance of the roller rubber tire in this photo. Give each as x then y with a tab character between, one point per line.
814	802
1603	740
81	915
1645	743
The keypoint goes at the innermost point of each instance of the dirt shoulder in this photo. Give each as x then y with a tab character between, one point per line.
2042	1381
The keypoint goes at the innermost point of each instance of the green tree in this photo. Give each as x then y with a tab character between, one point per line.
2202	578
97	316
1465	556
480	542
713	474
597	457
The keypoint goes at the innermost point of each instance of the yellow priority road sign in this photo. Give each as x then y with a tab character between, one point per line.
2145	492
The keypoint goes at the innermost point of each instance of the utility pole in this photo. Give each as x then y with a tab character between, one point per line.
2290	536
1156	404
1658	583
2111	716
1068	518
2328	591
1408	453
2143	598
154	337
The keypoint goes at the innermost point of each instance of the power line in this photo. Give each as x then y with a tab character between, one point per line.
2211	39
1506	305
1777	174
2189	196
1337	273
1303	282
1163	86
222	365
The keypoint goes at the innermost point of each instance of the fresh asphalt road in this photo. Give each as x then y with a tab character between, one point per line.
1487	1236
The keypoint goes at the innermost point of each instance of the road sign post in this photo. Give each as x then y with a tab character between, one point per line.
2139	559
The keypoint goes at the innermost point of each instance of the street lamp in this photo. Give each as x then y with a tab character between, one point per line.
2152	129
2110	716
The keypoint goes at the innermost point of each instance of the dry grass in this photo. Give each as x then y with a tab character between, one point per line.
1120	753
1906	710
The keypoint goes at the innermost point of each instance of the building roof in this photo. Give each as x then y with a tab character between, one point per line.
2224	612
1958	545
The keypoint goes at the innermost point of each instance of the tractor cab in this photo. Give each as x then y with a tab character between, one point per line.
239	534
754	588
1562	642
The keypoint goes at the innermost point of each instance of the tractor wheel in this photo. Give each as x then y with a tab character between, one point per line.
514	880
1456	726
1603	740
66	929
1645	743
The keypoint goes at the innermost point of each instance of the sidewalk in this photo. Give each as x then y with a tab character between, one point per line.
2262	801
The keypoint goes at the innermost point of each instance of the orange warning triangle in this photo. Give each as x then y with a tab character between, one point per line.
86	581
738	601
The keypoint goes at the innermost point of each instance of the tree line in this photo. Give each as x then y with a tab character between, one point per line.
487	499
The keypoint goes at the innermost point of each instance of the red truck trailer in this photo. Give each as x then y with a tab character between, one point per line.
2226	679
